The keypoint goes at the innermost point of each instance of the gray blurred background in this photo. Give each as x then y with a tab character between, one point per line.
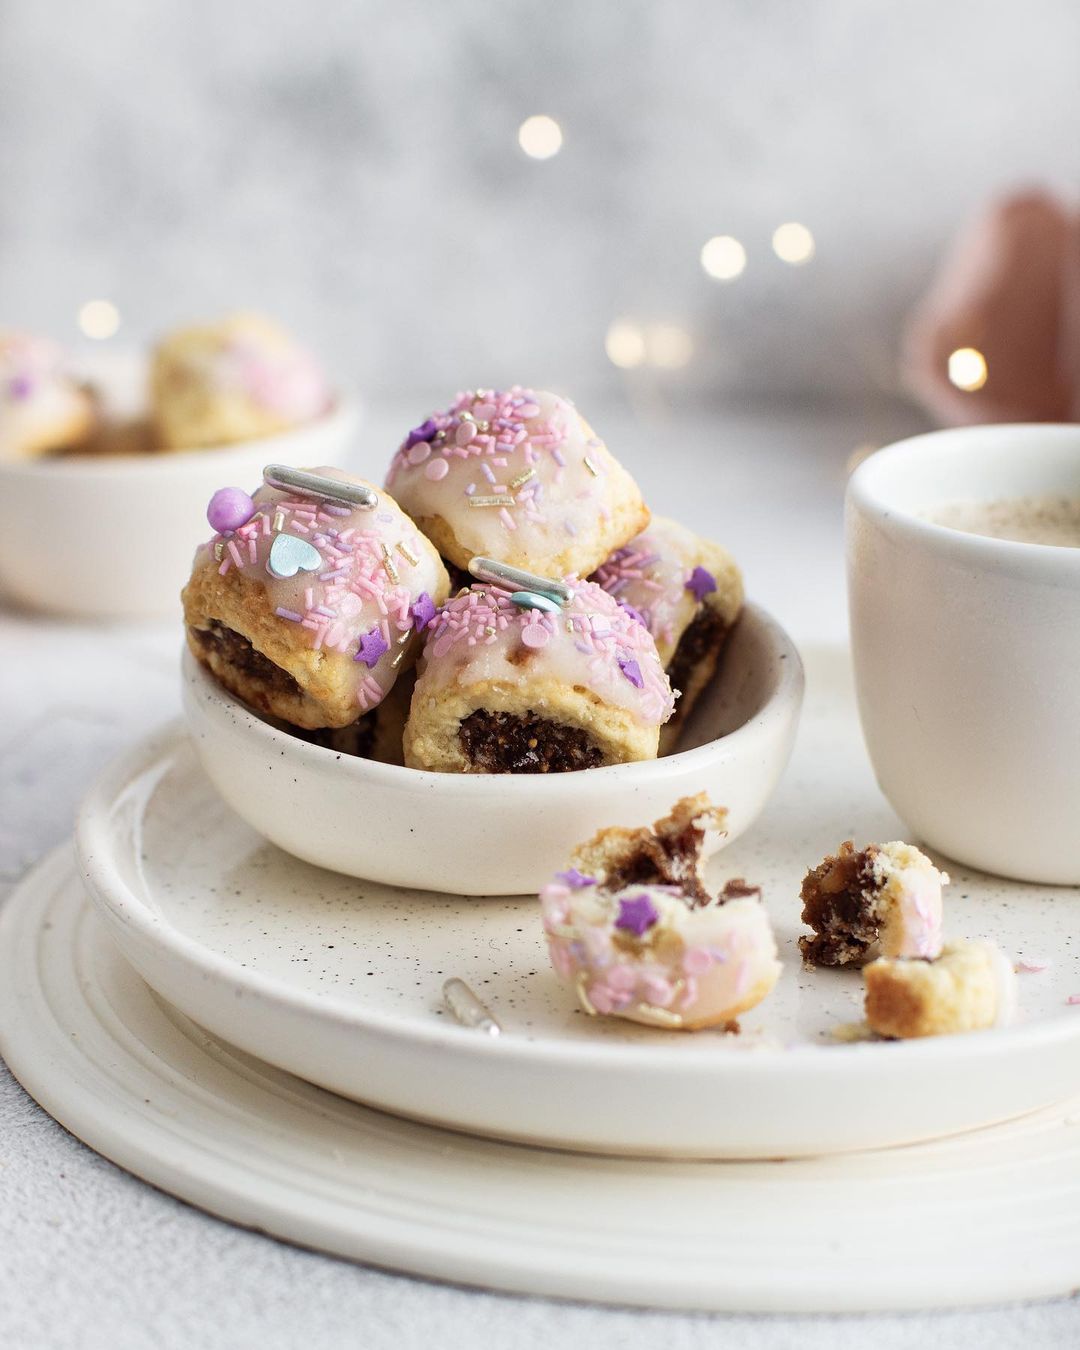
354	168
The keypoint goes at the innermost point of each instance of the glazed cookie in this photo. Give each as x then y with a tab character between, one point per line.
636	944
232	381
969	987
688	592
884	900
518	476
305	607
504	688
43	408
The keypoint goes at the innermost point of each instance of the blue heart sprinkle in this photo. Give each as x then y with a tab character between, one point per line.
534	600
289	555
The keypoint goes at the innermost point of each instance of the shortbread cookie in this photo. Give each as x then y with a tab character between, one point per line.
43	408
507	689
970	986
884	900
518	476
236	380
688	592
307	609
635	943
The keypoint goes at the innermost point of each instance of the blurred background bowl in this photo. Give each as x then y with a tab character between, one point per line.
98	536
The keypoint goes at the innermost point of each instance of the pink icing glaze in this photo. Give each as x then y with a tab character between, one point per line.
26	363
709	959
516	473
650	575
591	642
366	583
284	379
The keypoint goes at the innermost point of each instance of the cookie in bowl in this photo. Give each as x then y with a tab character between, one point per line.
236	380
517	475
306	601
535	682
44	408
688	593
633	929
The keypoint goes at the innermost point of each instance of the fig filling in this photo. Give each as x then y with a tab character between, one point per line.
243	670
669	855
357	739
839	905
702	638
500	742
668	859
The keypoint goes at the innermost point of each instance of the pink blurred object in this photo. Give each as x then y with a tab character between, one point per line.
1009	288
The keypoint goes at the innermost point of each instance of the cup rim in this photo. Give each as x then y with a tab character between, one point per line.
864	493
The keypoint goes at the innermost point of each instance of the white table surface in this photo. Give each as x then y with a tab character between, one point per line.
92	1258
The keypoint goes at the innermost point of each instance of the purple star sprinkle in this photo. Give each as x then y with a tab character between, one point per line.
631	670
423	432
701	583
372	646
637	916
422	610
574	879
634	613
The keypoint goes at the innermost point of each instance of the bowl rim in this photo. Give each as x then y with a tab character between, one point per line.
75	469
866	495
787	691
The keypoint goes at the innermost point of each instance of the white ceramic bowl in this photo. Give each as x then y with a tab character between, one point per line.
967	648
497	834
112	537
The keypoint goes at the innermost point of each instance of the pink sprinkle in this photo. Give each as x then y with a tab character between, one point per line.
1031	967
436	470
1073	1000
506	518
535	635
419	452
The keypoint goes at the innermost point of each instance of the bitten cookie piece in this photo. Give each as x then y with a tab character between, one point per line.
640	937
883	900
236	380
969	987
519	476
43	408
688	592
307	609
506	689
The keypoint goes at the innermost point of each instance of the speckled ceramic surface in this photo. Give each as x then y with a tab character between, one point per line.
936	1225
339	980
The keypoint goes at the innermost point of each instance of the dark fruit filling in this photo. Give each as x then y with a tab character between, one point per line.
837	906
235	655
499	742
703	637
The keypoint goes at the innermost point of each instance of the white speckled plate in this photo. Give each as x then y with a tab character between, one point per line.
985	1217
339	980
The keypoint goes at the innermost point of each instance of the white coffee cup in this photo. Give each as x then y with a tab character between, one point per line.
967	649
